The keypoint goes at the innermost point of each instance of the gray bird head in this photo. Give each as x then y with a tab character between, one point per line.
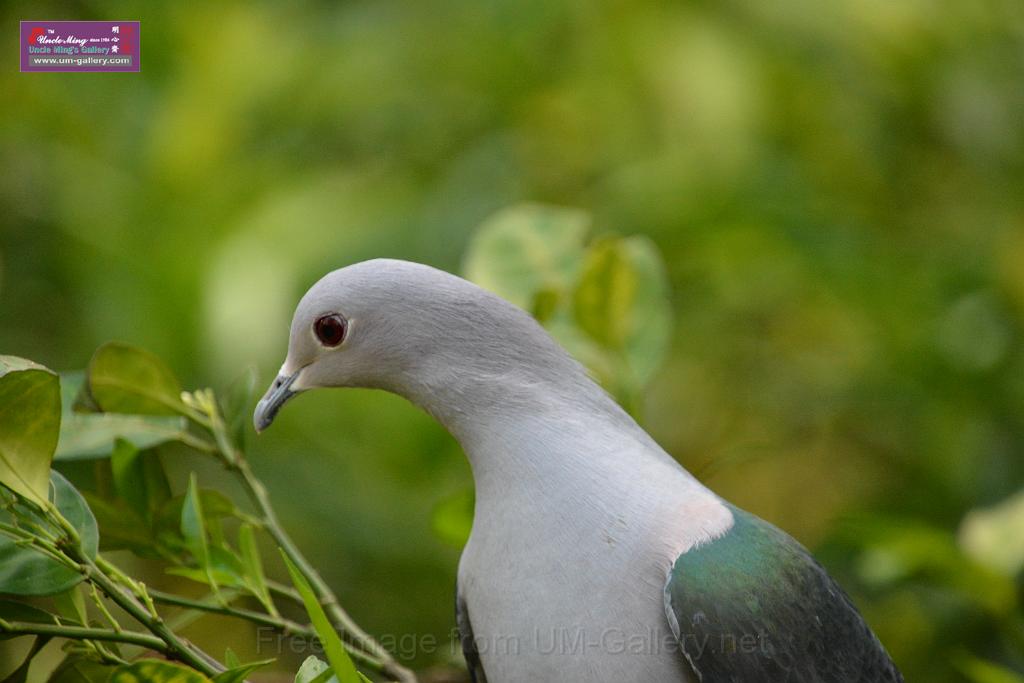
430	336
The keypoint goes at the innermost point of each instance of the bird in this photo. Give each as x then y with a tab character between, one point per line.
594	556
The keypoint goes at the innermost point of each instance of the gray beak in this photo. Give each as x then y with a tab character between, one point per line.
277	395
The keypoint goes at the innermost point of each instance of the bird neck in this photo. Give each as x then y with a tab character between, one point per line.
531	433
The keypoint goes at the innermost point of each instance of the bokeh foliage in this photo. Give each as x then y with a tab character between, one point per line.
835	189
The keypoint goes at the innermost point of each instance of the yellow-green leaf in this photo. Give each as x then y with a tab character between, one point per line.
314	670
87	434
340	662
254	577
29	426
125	379
979	671
193	529
994	536
156	671
621	302
528	249
238	671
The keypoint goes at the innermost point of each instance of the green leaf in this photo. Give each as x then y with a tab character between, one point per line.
193	529
124	379
29	426
20	675
254	576
237	406
71	605
216	506
24	571
314	671
979	671
86	433
898	551
156	671
139	479
340	662
236	672
225	568
622	303
525	250
994	536
452	518
231	660
121	528
77	669
85	436
167	524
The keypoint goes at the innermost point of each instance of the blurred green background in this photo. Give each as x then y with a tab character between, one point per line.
837	190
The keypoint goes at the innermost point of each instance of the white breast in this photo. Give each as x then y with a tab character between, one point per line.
564	572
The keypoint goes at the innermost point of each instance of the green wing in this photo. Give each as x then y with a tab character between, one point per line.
754	606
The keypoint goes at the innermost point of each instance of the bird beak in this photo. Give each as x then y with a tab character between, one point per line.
277	395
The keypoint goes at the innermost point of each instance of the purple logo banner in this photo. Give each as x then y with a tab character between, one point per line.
80	46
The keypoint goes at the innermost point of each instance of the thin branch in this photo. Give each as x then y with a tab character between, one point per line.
145	640
287	626
41	545
283	590
175	648
339	617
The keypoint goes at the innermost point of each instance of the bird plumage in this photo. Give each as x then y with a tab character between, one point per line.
593	553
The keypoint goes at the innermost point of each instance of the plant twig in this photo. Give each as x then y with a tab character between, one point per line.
22	537
234	460
338	616
286	626
175	647
145	640
284	591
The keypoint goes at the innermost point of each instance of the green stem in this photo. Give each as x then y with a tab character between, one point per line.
102	607
287	626
174	646
41	545
84	633
284	591
197	443
339	617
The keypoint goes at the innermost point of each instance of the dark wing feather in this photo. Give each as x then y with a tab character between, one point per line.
753	606
469	651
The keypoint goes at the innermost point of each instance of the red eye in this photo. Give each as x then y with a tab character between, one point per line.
330	329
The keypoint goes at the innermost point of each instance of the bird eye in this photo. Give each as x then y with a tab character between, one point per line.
330	329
